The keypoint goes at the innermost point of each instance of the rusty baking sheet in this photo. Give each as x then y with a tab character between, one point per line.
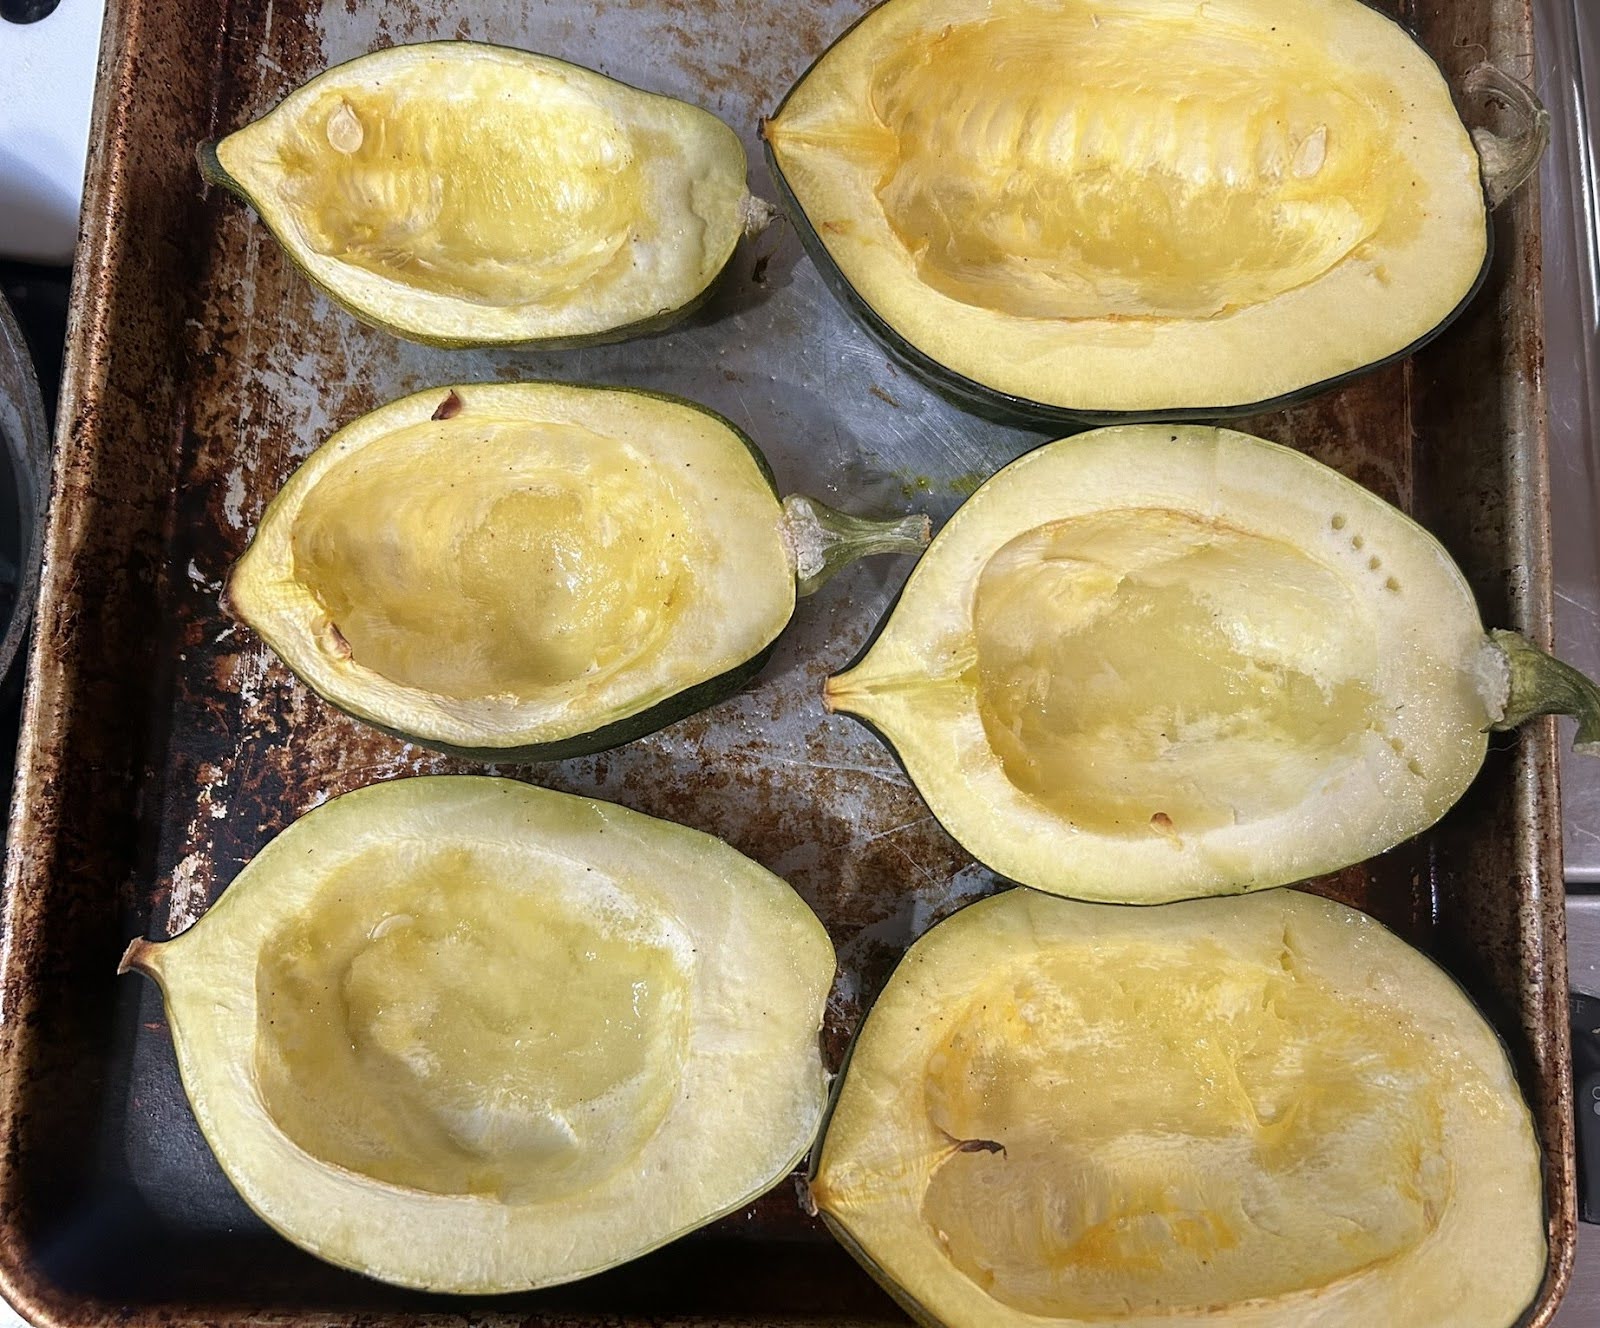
163	745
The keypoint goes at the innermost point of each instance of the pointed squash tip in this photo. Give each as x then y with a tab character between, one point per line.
225	600
140	956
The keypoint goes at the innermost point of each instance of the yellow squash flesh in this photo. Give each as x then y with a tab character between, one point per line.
1264	1113
1120	205
1152	662
537	564
465	194
467	1035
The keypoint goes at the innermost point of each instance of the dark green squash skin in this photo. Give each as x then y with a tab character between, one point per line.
213	172
920	1313
1005	408
680	705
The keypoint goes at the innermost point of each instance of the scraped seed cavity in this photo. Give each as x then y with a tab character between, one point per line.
464	1020
542	559
1058	167
1252	1133
1126	655
547	201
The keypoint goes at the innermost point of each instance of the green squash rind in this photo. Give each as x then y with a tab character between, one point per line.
618	733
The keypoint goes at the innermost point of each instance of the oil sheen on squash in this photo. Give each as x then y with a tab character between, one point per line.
547	199
1252	1133
461	193
1127	189
1258	1112
398	1035
1098	207
552	556
1149	666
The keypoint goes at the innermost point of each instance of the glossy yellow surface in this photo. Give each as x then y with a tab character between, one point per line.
461	193
1138	205
515	189
1181	1129
503	566
1150	671
549	555
1063	164
1257	1112
428	1023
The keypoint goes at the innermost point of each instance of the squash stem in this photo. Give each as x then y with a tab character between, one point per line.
755	215
822	540
1540	684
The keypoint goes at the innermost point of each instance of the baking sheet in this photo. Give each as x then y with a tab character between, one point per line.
164	745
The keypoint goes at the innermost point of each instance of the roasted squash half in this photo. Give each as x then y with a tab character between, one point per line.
1263	1113
463	194
467	1035
1079	208
1158	661
535	571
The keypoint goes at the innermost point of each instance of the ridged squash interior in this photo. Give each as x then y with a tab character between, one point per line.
463	193
467	1035
538	562
1265	1112
1141	204
1156	661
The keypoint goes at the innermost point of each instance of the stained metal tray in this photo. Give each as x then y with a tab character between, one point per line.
163	746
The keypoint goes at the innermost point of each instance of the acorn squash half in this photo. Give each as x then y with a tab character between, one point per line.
467	1035
1264	1113
535	571
1158	661
463	194
1074	209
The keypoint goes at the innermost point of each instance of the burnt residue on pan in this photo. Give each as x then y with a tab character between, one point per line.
165	744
